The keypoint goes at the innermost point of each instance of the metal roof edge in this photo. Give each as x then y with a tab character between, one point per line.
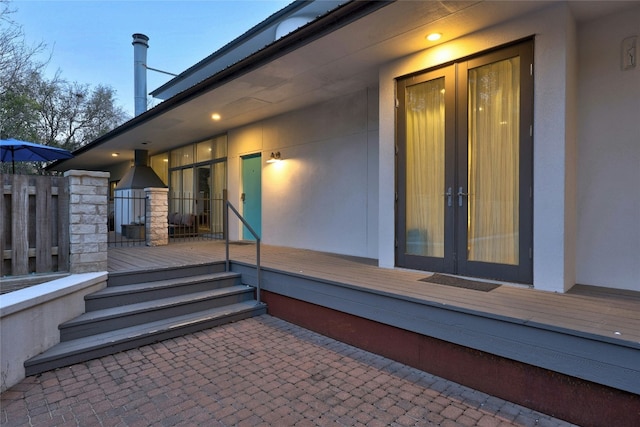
293	7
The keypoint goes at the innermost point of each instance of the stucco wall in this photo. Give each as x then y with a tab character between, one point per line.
305	203
30	319
608	249
554	129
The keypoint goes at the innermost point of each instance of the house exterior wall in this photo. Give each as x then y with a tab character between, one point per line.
586	155
608	242
554	134
305	203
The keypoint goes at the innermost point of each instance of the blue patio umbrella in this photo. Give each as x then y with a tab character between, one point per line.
14	150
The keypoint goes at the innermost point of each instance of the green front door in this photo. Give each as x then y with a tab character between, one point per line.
252	195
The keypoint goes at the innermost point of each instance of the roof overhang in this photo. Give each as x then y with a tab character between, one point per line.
337	54
295	15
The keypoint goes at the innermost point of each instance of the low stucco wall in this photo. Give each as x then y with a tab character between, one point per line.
29	319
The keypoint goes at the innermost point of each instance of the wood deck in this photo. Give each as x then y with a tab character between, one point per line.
552	347
612	315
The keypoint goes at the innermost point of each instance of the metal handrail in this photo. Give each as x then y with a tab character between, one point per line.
226	237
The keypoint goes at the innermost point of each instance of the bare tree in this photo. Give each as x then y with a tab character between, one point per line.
72	114
16	58
18	65
49	111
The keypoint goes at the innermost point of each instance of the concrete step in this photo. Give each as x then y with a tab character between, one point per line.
115	296
114	341
104	320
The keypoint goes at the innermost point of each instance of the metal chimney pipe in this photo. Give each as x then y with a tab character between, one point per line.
140	157
140	47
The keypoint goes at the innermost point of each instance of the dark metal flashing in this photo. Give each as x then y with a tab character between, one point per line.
140	177
332	21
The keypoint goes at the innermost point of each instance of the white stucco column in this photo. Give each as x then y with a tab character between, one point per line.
555	154
386	168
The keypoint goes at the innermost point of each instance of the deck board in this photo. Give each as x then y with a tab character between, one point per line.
598	311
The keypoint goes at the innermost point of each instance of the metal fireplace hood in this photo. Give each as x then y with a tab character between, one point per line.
140	175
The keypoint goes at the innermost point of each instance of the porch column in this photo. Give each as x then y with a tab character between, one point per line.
88	231
555	154
155	223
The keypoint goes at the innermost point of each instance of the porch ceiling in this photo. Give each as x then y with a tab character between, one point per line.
343	61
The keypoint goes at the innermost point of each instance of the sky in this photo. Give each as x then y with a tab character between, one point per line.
90	41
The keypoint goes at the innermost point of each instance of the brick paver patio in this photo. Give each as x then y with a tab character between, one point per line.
260	371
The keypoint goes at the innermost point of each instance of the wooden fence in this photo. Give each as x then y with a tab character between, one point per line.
34	224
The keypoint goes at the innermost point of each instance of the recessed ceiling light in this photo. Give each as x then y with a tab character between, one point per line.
215	116
115	154
434	36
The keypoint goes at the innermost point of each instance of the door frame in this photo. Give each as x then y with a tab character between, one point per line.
456	154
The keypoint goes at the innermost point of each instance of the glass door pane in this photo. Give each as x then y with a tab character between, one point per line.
203	197
181	191
425	168
493	162
188	199
218	185
175	191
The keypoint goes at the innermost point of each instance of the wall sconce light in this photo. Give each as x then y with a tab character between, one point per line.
275	157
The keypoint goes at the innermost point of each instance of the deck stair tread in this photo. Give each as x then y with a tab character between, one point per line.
148	306
156	304
121	278
126	338
158	284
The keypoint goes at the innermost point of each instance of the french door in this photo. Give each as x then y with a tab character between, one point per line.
464	167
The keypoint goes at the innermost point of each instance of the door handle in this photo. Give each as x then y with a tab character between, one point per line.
460	196
243	197
449	195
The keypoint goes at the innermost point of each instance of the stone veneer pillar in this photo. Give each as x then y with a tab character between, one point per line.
155	223
88	231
